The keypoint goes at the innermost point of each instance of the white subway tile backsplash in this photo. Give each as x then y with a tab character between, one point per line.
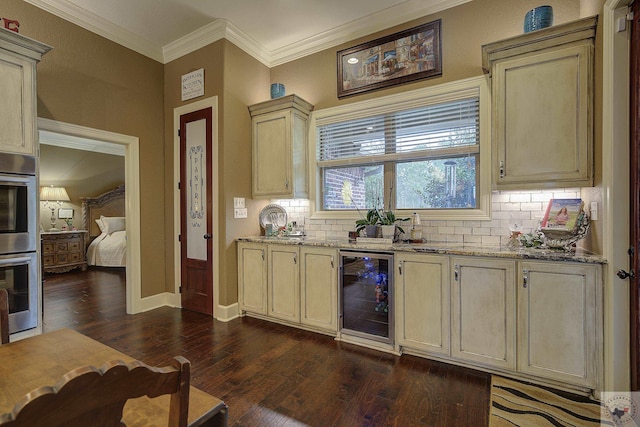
525	208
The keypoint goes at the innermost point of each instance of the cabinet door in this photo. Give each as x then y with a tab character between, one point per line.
17	104
543	118
484	311
283	283
557	330
319	288
424	300
272	154
252	277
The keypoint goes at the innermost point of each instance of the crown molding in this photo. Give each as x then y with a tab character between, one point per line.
74	14
217	30
221	28
361	27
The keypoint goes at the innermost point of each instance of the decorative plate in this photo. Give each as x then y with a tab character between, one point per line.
269	215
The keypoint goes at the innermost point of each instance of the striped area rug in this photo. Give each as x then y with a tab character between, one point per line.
525	405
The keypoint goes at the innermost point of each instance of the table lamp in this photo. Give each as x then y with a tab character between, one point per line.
52	196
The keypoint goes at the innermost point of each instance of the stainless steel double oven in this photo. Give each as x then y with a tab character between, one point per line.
19	238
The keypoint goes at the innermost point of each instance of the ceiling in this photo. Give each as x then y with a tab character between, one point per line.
272	31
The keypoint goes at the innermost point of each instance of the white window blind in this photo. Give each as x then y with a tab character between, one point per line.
446	127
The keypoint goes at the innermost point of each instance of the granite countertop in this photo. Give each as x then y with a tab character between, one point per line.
579	255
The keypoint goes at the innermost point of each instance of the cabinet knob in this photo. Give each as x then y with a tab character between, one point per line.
525	278
501	168
207	236
456	272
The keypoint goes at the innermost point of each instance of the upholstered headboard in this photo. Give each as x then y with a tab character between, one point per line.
108	204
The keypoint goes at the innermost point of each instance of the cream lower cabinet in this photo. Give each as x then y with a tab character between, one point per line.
283	283
423	302
557	321
252	277
484	312
319	288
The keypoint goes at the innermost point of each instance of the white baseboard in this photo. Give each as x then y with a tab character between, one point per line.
225	313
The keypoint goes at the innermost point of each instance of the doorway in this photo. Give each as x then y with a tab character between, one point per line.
204	104
53	131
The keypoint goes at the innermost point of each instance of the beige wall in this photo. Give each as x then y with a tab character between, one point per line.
89	81
238	80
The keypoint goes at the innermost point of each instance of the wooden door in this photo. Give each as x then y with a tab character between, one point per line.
635	196
484	312
252	277
557	314
283	283
424	300
196	211
319	288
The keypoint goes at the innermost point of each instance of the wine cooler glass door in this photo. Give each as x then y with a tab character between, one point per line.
367	295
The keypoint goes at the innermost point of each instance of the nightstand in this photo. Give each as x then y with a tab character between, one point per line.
63	251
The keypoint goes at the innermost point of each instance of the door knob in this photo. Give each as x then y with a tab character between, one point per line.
624	275
207	236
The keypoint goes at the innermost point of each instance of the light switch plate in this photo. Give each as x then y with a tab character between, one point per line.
240	213
238	202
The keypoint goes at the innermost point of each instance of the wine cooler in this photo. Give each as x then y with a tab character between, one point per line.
366	295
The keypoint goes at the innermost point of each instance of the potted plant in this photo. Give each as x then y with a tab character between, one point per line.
369	223
387	219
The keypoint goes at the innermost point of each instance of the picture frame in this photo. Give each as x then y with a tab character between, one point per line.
65	213
406	56
562	214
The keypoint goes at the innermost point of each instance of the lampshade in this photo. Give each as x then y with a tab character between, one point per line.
55	194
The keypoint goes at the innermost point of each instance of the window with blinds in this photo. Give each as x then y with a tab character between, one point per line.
429	154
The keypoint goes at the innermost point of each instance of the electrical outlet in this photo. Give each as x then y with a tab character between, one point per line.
240	213
238	202
594	211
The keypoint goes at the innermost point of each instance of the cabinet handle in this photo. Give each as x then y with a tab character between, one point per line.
400	267
295	258
456	272
525	278
263	254
332	264
501	168
286	184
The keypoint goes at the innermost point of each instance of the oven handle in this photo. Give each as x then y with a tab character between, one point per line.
14	260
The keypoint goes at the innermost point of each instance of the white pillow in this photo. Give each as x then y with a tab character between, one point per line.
100	225
114	223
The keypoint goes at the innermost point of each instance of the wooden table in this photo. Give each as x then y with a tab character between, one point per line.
42	360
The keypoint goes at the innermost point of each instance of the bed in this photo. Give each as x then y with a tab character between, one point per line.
103	217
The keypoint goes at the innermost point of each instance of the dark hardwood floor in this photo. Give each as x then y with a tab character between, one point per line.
269	374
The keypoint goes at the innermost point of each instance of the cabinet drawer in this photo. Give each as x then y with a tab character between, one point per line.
48	260
48	248
73	257
74	246
62	247
62	258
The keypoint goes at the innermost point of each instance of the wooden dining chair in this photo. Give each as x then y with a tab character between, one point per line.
88	396
4	316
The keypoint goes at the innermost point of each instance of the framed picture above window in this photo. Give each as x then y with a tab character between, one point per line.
402	57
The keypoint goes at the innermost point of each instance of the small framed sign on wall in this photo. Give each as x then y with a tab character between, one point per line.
193	84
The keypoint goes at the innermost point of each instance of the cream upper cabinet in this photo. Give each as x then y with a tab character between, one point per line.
18	115
319	288
252	277
542	107
484	312
280	148
558	327
423	301
283	283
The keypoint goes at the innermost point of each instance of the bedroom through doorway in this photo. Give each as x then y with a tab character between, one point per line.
70	149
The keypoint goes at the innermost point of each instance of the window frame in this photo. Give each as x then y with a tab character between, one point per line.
407	100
